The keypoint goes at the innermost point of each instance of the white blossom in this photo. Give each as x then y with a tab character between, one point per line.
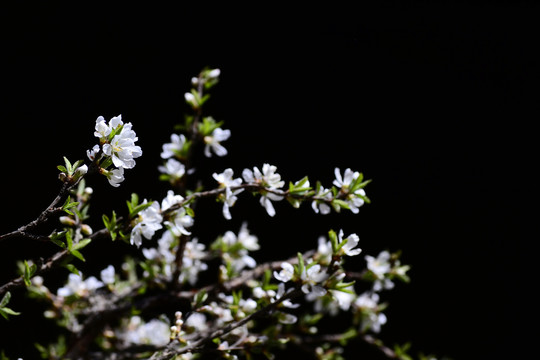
248	241
213	142
174	147
170	200
269	179
197	321
320	205
354	199
102	129
280	292
312	277
174	168
92	152
154	332
179	224
286	273
115	176
77	286
226	180
352	242
149	221
368	303
107	275
192	263
380	266
346	180
324	250
122	148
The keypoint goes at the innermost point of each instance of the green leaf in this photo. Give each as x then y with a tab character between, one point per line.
68	166
5	299
77	164
81	244
69	240
78	255
300	264
333	241
189	211
5	312
72	269
29	271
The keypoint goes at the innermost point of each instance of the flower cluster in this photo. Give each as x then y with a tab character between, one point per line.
179	294
116	147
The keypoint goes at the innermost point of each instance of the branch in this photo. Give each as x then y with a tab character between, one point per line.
120	305
336	338
47	265
51	210
196	346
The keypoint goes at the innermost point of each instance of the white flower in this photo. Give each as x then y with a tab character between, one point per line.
373	319
107	275
81	170
192	262
268	177
324	250
197	321
346	180
102	129
226	180
270	180
311	277
286	273
352	241
77	286
281	291
174	168
213	142
170	200
115	176
248	241
174	147
320	205
155	332
239	258
92	152
338	300
354	199
122	148
343	298
149	221
180	222
380	266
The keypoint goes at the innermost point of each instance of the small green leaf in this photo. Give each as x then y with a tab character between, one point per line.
69	240
72	269
300	264
29	271
68	166
5	312
5	299
78	255
81	244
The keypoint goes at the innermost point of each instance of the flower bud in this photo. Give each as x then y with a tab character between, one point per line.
66	220
86	230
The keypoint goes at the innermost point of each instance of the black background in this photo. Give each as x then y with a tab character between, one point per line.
436	103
